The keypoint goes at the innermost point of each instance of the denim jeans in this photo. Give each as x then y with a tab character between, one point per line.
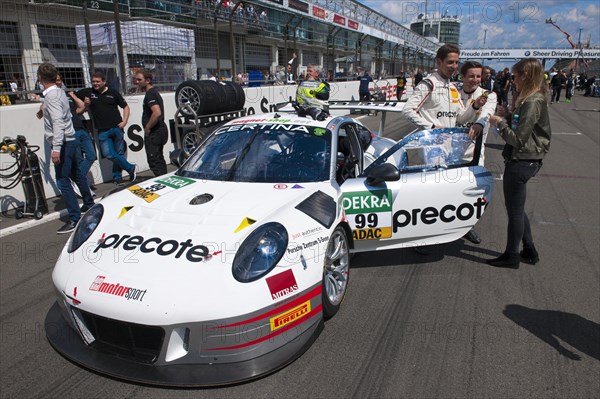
112	145
516	176
70	160
87	148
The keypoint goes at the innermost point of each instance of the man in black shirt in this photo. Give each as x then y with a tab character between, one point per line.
103	104
153	122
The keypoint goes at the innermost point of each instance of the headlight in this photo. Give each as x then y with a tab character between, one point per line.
86	227
260	252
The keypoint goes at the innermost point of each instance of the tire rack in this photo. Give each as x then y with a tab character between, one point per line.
198	124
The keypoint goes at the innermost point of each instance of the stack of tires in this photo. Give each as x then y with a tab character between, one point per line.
207	97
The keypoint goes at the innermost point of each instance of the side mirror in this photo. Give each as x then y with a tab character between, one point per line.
381	173
177	157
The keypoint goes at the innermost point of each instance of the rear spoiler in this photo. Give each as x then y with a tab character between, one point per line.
379	106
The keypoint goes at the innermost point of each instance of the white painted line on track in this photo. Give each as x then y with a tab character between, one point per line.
568	134
31	223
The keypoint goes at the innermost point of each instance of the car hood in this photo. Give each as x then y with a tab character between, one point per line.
202	208
176	248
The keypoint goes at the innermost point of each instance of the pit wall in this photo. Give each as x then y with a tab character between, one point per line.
21	120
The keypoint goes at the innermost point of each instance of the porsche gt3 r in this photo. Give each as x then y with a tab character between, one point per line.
225	269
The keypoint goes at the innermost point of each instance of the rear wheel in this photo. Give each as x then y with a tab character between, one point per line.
336	272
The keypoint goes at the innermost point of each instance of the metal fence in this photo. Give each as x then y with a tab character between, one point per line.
180	39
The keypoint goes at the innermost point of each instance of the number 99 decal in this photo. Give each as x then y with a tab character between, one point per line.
361	220
369	214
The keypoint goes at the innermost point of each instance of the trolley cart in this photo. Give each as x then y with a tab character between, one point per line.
26	170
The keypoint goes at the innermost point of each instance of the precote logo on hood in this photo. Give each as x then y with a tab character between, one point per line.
193	253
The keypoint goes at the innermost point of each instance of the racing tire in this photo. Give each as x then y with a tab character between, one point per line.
336	272
232	96
191	92
190	140
207	97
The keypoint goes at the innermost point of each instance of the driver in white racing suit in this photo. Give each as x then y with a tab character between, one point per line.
435	102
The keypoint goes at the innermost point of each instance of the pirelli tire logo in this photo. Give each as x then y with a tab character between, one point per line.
290	316
369	214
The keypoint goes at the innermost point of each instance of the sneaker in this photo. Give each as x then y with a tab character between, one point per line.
551	102
118	182
133	174
67	228
85	208
76	189
473	237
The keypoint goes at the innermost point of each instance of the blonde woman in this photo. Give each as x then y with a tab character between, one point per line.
527	135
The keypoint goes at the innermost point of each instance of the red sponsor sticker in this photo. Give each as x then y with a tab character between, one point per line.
352	24
338	19
280	186
318	12
282	284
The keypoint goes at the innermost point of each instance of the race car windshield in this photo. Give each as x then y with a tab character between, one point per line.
263	153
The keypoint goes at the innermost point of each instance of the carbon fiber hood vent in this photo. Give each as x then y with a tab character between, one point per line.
319	206
201	199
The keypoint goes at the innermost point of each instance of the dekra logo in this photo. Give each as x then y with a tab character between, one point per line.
193	253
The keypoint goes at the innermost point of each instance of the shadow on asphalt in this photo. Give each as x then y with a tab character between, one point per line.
551	326
428	254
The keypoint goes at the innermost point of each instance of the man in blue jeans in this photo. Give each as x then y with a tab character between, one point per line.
103	104
66	153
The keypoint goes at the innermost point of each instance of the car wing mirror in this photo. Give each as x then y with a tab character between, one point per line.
177	157
381	173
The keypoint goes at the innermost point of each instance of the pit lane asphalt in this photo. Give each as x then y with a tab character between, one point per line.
439	325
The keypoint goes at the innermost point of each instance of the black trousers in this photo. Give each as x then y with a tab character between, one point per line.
556	93
516	176
154	144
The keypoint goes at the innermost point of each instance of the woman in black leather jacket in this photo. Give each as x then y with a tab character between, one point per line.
527	135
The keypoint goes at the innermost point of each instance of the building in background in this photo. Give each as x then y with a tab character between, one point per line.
443	29
222	39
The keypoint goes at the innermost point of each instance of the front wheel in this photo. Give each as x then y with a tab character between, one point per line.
336	272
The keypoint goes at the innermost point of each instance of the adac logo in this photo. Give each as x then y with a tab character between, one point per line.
193	253
143	193
290	316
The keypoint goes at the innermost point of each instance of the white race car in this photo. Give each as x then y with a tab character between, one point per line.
225	270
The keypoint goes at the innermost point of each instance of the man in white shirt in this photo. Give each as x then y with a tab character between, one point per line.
66	152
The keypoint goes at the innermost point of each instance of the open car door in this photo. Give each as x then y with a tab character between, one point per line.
426	189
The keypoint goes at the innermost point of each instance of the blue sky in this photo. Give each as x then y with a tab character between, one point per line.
509	24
